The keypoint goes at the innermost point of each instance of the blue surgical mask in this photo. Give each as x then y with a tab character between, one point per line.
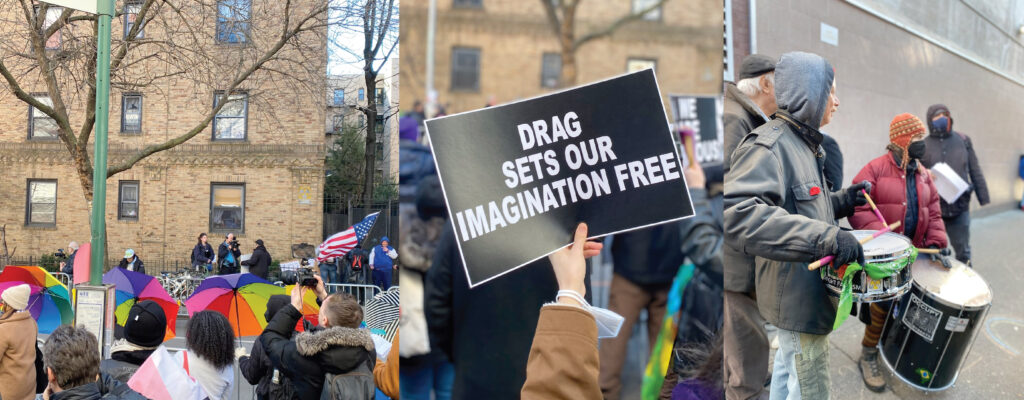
941	124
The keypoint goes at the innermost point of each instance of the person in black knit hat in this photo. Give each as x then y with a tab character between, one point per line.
143	332
271	384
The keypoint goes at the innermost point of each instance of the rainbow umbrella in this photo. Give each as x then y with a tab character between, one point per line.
132	287
310	310
49	302
240	297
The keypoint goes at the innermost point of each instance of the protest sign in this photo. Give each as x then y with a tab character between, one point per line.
518	178
703	114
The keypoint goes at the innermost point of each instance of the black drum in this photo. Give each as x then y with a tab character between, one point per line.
930	330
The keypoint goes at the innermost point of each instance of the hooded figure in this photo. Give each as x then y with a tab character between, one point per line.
945	145
778	209
381	263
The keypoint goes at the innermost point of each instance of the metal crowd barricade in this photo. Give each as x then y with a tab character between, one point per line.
64	279
362	293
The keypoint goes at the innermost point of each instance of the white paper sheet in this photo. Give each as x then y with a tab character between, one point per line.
949	184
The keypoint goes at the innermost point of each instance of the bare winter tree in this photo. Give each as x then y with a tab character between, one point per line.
562	19
377	22
190	48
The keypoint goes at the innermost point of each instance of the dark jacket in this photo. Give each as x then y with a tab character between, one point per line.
105	388
257	370
202	254
259	263
956	150
222	254
139	267
123	364
740	116
69	265
777	206
833	163
311	355
649	256
503	311
889	192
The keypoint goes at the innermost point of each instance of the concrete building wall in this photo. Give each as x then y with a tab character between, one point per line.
883	70
513	36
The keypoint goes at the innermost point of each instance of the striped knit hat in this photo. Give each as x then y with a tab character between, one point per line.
902	129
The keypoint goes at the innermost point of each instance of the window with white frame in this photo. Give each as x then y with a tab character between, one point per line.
233	20
231	123
128	200
339	97
41	126
41	202
227	207
653	15
131	11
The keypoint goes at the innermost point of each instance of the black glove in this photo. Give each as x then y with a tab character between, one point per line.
848	249
847	199
944	256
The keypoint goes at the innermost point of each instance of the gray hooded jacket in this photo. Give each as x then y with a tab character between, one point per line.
777	204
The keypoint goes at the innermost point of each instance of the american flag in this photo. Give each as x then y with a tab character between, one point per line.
342	242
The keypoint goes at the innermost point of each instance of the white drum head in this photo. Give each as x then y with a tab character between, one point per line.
885	246
959	285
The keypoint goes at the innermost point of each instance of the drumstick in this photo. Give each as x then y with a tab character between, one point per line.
928	251
817	264
873	207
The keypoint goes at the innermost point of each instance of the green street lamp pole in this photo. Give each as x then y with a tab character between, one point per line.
105	12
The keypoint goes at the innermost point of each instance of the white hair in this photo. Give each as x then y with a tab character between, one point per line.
752	86
73	245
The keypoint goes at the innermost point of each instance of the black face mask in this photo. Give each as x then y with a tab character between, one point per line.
916	150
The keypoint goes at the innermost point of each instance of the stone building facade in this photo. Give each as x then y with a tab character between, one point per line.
505	50
346	92
265	182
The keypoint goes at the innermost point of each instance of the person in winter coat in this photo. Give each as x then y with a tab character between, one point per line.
132	262
748	105
18	332
68	267
945	145
778	209
271	383
202	254
228	255
143	332
337	346
259	263
903	192
72	359
381	263
210	353
563	361
385	372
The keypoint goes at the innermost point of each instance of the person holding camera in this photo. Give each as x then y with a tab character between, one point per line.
228	255
202	254
259	263
381	263
68	267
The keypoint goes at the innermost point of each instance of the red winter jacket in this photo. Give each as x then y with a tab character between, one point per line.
889	191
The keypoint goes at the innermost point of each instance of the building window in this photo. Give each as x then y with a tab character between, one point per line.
131	11
550	70
653	15
379	127
362	94
128	200
41	126
131	113
466	69
41	202
337	123
227	207
339	97
640	64
231	123
233	19
379	94
468	3
52	15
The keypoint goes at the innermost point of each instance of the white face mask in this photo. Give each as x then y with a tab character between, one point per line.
608	322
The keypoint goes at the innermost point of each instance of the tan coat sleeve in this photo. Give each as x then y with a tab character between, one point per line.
385	373
563	361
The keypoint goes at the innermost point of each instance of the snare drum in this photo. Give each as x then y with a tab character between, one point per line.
885	248
929	332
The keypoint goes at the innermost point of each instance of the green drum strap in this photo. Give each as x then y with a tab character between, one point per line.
875	271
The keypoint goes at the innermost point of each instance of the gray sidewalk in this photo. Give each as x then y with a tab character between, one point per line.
994	368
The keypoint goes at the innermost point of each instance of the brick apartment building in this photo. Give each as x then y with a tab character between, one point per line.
346	92
256	170
505	49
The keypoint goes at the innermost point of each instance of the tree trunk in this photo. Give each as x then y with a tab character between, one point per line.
369	168
566	40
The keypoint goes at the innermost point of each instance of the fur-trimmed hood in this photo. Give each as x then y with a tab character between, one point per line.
313	343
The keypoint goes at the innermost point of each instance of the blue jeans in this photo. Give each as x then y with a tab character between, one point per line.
418	382
329	273
382	277
801	367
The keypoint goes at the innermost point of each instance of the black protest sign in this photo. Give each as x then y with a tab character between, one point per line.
518	178
703	114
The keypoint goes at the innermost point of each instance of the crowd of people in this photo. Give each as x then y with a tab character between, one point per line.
335	358
783	206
